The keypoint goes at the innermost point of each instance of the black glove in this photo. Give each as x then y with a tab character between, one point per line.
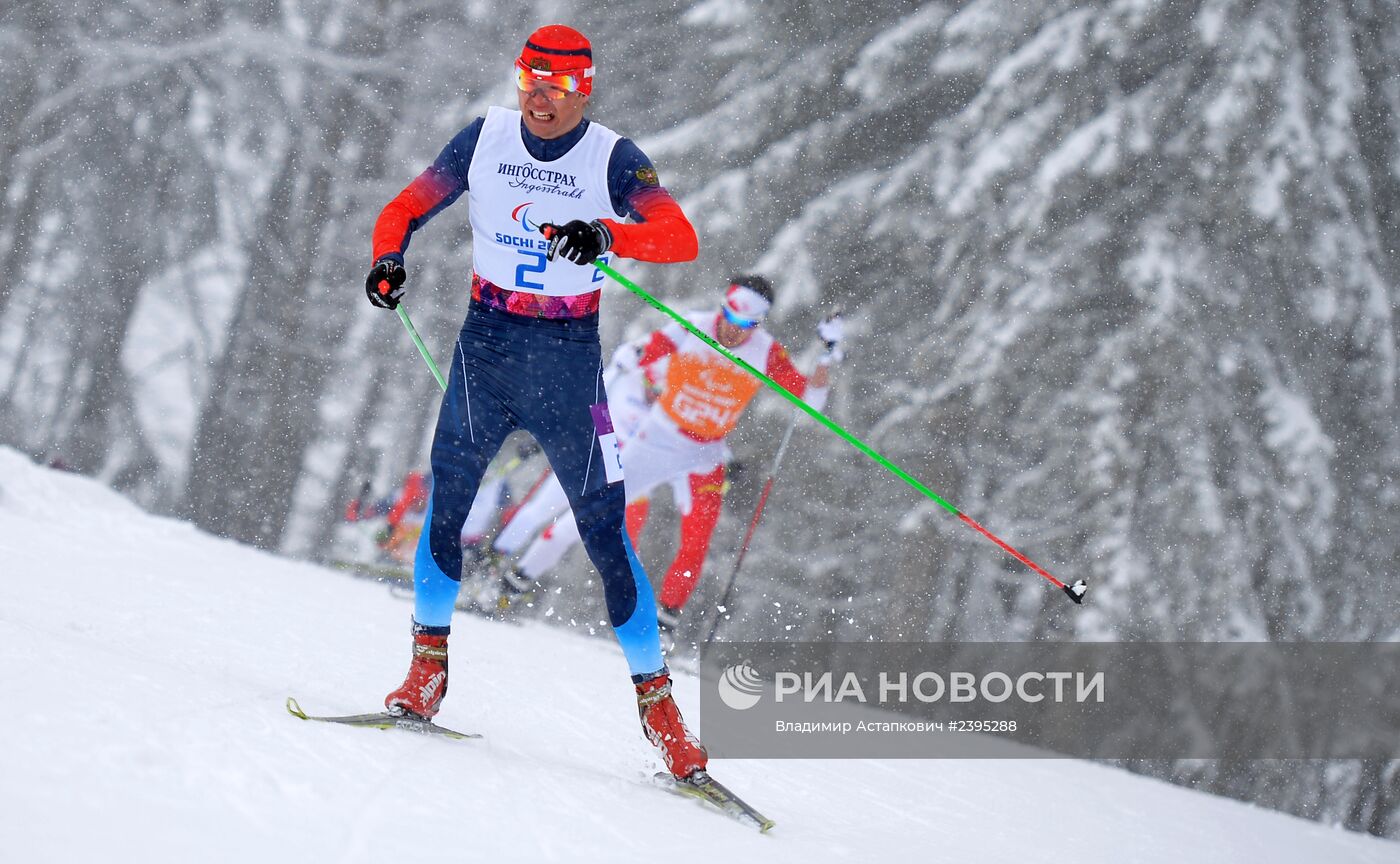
579	241
384	285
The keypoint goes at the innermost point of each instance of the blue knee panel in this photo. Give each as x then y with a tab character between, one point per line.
638	636
434	593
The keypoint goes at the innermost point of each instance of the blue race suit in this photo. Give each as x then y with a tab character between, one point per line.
528	361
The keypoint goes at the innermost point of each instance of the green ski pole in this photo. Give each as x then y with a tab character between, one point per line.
422	349
1074	591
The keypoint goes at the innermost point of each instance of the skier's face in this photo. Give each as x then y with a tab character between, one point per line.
729	335
550	113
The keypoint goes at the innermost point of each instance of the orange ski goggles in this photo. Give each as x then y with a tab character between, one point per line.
552	85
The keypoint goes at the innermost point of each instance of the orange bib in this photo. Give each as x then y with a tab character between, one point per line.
705	397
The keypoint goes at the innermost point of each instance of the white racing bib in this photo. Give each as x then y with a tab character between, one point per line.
511	194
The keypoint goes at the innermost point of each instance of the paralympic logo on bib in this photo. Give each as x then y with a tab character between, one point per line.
521	214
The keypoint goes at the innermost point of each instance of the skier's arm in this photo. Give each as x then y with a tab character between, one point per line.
396	512
413	498
812	390
662	344
627	358
654	356
430	192
661	232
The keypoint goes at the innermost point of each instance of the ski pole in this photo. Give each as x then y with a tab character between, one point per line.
753	526
422	349
1074	591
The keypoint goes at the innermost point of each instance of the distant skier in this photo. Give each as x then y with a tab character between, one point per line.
402	514
492	503
701	397
528	356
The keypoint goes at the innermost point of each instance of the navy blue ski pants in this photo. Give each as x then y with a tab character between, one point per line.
542	375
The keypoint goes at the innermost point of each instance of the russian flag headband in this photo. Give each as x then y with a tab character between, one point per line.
745	303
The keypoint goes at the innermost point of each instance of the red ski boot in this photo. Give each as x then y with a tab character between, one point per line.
422	691
664	727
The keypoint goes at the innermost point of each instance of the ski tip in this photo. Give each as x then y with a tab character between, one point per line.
294	709
704	788
457	736
1077	590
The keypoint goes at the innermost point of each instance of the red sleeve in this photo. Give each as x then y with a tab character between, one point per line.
392	226
414	497
399	509
659	346
422	199
780	369
665	236
436	188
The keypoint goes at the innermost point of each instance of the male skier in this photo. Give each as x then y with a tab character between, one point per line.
546	191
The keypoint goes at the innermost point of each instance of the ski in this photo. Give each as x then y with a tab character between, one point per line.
379	572
703	787
382	720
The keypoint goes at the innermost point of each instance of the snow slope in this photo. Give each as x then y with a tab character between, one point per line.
144	666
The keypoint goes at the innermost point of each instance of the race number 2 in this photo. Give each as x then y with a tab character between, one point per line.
535	264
